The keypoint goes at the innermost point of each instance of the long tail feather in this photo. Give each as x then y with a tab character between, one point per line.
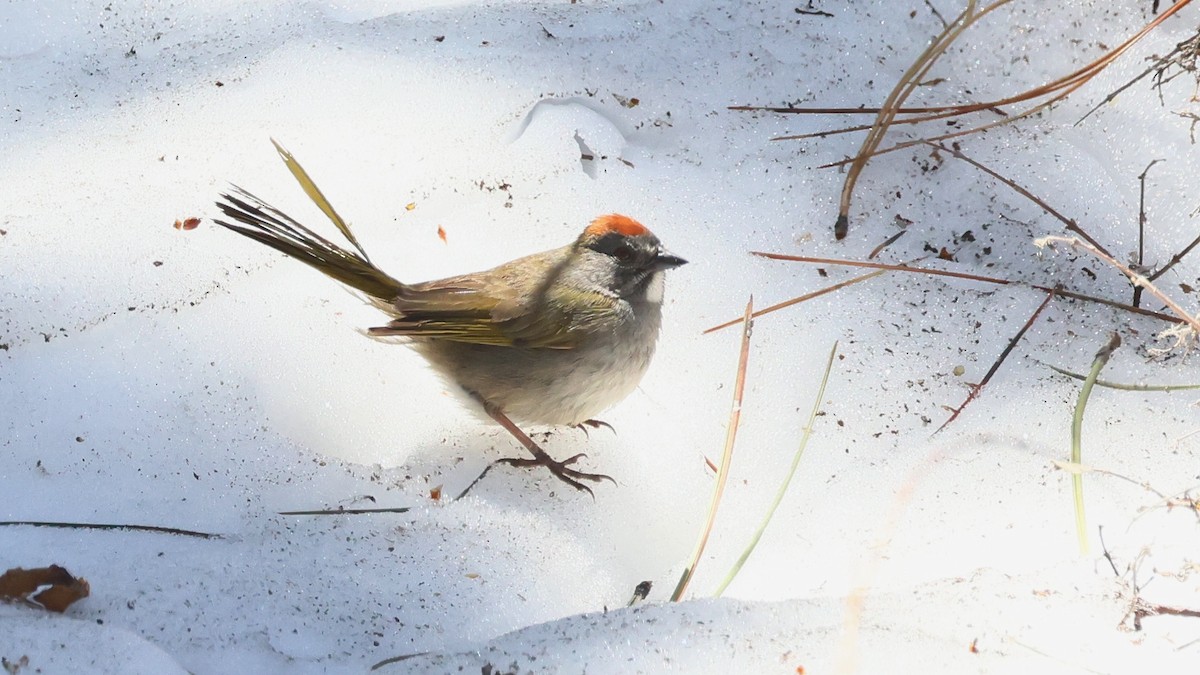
268	225
314	193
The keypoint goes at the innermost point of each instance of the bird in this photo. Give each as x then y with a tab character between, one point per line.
553	338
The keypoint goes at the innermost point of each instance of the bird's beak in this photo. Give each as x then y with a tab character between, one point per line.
666	261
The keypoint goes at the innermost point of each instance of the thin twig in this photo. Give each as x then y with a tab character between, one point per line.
397	659
1137	279
1107	555
1069	223
112	526
345	512
975	389
886	243
735	415
1175	259
1073	468
1137	290
952	111
1159	65
936	12
1061	95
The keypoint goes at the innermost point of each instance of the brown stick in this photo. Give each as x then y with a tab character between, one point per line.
1069	223
977	388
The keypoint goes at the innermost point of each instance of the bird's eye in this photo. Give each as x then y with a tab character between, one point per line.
623	253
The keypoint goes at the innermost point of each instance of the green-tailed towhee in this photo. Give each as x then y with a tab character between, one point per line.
551	338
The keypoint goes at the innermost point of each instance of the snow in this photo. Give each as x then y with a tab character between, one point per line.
196	380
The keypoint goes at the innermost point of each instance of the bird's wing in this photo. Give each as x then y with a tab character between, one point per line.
497	307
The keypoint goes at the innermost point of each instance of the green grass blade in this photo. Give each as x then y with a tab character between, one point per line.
783	487
1126	387
1098	363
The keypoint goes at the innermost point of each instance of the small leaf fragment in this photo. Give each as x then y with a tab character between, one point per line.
58	589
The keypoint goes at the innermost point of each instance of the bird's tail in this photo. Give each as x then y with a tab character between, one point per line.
264	223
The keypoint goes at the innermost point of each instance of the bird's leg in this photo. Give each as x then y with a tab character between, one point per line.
561	470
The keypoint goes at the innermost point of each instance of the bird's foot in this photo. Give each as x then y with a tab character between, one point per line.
561	470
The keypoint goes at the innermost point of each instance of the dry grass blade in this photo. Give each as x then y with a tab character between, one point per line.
735	415
844	111
787	481
1061	88
886	243
797	300
1134	277
817	293
1123	386
345	512
1072	467
976	388
954	111
886	116
1067	91
972	277
904	88
110	526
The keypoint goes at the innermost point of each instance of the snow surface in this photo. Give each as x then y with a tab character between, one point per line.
196	380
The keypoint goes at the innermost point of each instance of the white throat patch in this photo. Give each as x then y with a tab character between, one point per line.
654	289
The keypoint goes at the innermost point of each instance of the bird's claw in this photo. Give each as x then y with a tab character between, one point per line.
595	424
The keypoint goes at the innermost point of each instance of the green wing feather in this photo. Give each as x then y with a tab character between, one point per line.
487	309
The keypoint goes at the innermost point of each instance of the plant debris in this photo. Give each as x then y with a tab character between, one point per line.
52	588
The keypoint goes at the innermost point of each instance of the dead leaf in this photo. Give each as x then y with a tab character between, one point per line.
187	224
436	493
442	234
63	589
410	206
630	102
